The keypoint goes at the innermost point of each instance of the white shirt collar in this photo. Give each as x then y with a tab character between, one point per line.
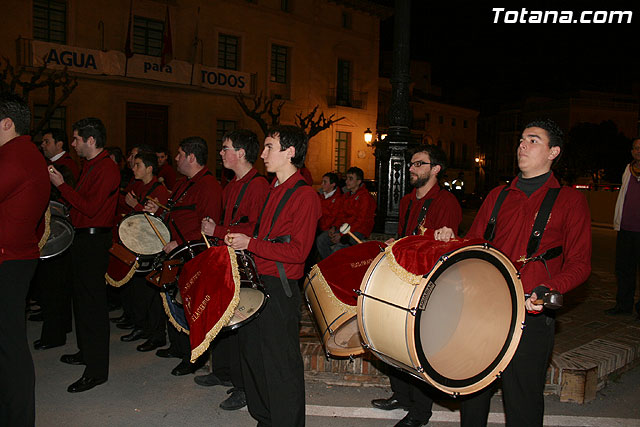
57	156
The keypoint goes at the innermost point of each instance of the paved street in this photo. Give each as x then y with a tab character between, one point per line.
141	391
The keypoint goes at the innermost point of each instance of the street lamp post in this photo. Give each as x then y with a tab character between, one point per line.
391	162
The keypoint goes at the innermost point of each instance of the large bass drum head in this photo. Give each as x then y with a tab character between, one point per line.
469	319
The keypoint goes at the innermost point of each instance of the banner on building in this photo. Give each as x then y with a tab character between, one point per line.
77	59
148	67
221	79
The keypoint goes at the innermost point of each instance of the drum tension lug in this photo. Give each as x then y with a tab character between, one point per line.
499	375
420	369
413	311
455	394
357	291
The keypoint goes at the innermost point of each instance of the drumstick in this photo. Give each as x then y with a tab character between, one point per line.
154	200
346	229
206	241
164	243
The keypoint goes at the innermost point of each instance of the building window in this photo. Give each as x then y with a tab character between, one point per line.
57	121
343	90
228	52
346	20
147	36
453	121
441	119
50	20
465	124
222	127
285	5
279	58
341	162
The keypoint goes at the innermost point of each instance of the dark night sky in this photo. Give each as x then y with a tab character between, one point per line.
481	64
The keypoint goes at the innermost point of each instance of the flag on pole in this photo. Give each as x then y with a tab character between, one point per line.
167	44
128	50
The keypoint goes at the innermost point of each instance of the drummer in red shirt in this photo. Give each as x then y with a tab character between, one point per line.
330	200
272	367
195	197
93	207
242	198
166	173
55	148
431	207
24	195
568	228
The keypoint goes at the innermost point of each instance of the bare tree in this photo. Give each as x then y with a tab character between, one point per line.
59	84
313	126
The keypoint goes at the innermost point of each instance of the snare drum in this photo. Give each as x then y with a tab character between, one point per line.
61	231
137	235
330	294
450	314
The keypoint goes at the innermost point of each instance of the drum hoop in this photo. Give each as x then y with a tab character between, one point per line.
66	224
436	271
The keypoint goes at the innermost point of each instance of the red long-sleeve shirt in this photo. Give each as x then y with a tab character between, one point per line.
358	210
203	198
141	190
331	208
444	211
24	196
298	219
250	205
168	175
67	161
94	199
569	226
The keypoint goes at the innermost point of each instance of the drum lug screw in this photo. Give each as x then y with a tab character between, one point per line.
455	394
499	375
420	369
413	311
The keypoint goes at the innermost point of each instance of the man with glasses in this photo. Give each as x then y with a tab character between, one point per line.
430	207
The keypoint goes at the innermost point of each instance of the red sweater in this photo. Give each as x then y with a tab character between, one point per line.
569	226
168	175
298	219
331	209
24	196
69	163
358	210
141	190
444	211
94	199
203	198
250	205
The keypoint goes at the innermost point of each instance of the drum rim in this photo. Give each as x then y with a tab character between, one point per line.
72	233
478	252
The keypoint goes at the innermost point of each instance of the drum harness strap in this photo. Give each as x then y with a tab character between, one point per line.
539	226
239	199
279	239
423	213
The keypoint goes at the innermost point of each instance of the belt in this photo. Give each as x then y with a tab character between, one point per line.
93	230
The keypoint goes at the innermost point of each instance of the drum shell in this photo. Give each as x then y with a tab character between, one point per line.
332	317
470	326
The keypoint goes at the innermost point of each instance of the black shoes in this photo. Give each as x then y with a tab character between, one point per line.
167	352
149	345
185	368
388	404
237	400
125	325
84	384
136	334
72	359
210	380
616	311
409	421
39	345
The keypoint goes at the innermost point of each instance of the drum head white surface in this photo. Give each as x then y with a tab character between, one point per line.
138	236
250	302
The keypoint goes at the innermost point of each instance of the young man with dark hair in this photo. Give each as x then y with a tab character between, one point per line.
166	173
272	366
358	210
430	207
195	197
567	229
242	198
24	195
93	211
330	200
55	148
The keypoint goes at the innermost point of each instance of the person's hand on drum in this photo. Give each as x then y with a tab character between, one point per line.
170	246
130	199
444	234
529	303
150	207
55	177
207	226
389	241
237	241
334	235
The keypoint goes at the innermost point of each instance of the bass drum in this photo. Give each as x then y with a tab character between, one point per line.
456	326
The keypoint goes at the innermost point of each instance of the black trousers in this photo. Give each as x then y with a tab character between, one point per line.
54	278
225	358
148	309
413	393
627	263
272	367
180	343
17	375
89	254
522	381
